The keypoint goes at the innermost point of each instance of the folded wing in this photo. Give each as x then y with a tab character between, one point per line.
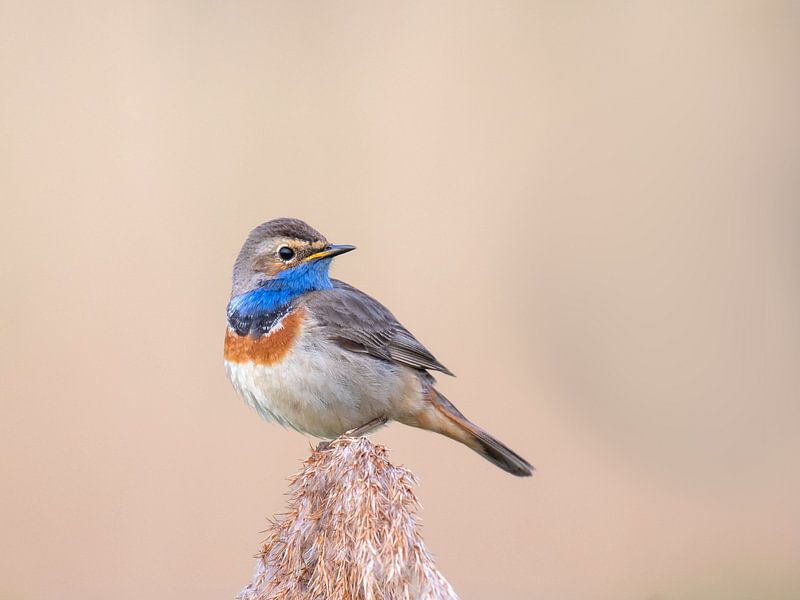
359	323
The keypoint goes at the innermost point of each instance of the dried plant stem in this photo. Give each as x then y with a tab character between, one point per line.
350	533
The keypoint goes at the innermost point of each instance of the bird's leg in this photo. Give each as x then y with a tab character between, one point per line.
363	430
367	428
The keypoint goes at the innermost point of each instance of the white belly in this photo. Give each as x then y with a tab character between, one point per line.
322	389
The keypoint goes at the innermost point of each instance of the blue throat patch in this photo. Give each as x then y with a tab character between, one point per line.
256	311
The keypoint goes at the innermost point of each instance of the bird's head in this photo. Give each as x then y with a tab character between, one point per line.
287	255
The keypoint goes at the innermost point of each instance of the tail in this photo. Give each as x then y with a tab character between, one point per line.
442	417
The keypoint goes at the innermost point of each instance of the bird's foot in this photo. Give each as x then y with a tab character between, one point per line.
361	431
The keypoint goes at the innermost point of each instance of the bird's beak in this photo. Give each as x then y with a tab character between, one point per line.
329	252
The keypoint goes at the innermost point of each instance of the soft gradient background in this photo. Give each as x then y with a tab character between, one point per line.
589	211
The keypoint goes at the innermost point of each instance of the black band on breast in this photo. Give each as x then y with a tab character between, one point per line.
256	324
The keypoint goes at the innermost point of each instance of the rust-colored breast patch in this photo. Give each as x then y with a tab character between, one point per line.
267	349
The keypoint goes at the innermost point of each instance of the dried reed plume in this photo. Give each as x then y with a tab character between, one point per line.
350	533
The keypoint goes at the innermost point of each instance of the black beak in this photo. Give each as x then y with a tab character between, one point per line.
331	251
337	249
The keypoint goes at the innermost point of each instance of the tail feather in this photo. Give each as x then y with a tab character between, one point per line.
448	420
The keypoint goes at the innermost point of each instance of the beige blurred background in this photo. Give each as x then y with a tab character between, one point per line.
589	211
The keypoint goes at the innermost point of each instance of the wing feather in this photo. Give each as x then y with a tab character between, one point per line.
359	323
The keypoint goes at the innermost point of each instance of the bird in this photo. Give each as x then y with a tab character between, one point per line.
317	355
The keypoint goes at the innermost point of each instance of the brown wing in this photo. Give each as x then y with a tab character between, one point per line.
360	323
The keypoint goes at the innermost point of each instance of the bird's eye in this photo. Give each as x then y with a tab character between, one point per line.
286	253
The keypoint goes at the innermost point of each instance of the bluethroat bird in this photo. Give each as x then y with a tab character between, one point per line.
318	355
